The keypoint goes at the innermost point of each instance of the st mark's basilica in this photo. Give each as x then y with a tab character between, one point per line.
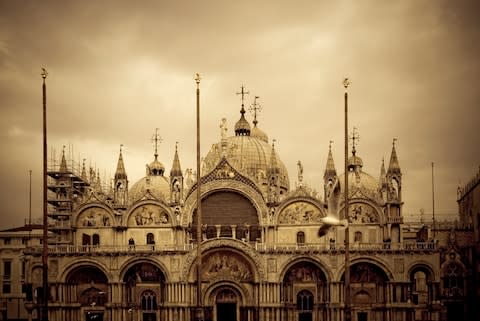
129	251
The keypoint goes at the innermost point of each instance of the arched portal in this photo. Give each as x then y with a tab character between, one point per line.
226	303
145	289
304	290
87	285
368	287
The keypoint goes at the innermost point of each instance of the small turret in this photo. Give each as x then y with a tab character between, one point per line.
330	175
394	176
176	180
63	162
120	191
273	174
242	127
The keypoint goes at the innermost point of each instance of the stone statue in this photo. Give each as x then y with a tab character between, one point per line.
223	128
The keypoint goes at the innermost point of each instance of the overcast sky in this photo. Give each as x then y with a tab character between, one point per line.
118	70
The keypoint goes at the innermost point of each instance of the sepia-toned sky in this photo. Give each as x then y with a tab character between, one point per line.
120	69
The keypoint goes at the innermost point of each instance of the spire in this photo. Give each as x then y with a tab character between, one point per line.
120	173
383	174
273	160
330	168
63	162
176	169
84	171
394	166
242	127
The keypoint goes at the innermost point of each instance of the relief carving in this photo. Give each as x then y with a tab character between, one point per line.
149	215
363	213
226	264
300	213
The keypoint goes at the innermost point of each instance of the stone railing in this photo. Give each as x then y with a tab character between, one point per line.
354	247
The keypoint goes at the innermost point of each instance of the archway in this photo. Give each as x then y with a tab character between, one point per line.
226	304
304	290
368	287
145	289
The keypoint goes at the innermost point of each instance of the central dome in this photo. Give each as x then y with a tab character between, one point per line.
250	155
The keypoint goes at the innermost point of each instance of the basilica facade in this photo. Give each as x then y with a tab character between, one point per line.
130	252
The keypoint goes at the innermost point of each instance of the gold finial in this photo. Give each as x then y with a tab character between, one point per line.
346	83
254	109
156	139
355	139
44	73
197	79
243	93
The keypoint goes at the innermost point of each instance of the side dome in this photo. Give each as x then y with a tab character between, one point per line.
361	182
158	186
251	155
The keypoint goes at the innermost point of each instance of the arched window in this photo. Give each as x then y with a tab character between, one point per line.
358	237
304	301
96	239
149	301
300	237
453	280
150	238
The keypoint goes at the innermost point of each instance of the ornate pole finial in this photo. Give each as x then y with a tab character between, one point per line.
330	145
394	141
197	79
243	93
346	83
44	73
156	139
121	146
176	146
254	109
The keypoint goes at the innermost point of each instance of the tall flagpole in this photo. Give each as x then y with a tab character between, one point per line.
433	202
45	219
199	315
348	312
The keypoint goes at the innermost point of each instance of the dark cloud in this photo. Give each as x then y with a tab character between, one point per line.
120	69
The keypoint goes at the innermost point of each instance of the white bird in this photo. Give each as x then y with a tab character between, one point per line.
329	221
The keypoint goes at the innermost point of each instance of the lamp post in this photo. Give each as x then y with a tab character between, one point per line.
348	312
45	219
199	310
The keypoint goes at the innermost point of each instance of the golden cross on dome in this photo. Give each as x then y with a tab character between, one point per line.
156	139
355	139
243	93
255	108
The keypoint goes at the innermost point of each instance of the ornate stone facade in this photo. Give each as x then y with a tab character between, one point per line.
262	258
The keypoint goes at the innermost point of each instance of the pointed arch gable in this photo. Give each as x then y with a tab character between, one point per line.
94	215
150	213
299	210
363	211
